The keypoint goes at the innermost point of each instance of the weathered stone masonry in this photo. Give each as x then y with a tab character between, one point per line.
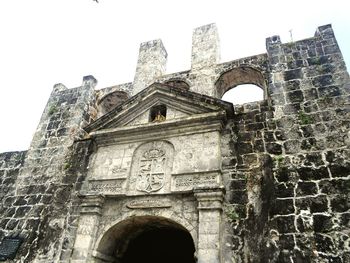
266	181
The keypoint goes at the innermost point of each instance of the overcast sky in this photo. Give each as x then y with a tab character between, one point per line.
44	42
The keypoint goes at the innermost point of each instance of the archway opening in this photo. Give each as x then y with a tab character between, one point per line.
244	94
159	245
147	239
241	82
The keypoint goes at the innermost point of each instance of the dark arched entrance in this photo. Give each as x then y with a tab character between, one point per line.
147	239
159	245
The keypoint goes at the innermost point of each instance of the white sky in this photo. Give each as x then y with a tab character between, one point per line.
44	42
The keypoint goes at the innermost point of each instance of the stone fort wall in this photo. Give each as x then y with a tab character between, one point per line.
285	160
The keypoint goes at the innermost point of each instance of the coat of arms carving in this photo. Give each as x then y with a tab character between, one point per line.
151	172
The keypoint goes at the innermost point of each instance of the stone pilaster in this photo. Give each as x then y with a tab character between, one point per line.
87	228
210	209
151	64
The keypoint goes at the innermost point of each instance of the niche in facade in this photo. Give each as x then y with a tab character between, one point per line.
157	113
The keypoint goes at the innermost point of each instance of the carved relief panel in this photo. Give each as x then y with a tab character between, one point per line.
151	168
112	162
110	168
155	167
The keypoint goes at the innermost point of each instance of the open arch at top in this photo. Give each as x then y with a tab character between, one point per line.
239	76
245	93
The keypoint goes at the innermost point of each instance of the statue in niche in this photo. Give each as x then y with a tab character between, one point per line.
158	113
159	117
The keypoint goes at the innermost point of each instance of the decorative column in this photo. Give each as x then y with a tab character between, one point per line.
88	225
210	209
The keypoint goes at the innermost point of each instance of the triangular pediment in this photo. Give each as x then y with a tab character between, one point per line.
180	104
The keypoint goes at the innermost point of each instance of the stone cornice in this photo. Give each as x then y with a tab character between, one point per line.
197	123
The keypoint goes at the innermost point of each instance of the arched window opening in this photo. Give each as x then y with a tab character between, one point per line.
157	113
241	85
111	101
177	83
243	94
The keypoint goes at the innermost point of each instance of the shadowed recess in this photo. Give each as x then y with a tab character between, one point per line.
147	239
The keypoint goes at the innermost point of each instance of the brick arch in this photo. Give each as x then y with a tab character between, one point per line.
238	76
110	101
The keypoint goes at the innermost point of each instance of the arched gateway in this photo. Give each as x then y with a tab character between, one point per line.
154	190
146	239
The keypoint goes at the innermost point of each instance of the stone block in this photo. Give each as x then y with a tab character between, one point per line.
340	170
293	74
283	207
292	85
286	242
294	96
330	91
322	81
244	148
284	190
292	146
324	243
308	173
285	224
340	203
274	148
317	204
322	223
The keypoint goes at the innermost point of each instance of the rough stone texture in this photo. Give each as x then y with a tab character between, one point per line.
43	201
150	64
205	46
10	164
261	182
205	54
311	167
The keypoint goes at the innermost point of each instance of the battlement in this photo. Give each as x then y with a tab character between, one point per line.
206	67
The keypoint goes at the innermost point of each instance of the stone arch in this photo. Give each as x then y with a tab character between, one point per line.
114	243
178	83
110	101
239	76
